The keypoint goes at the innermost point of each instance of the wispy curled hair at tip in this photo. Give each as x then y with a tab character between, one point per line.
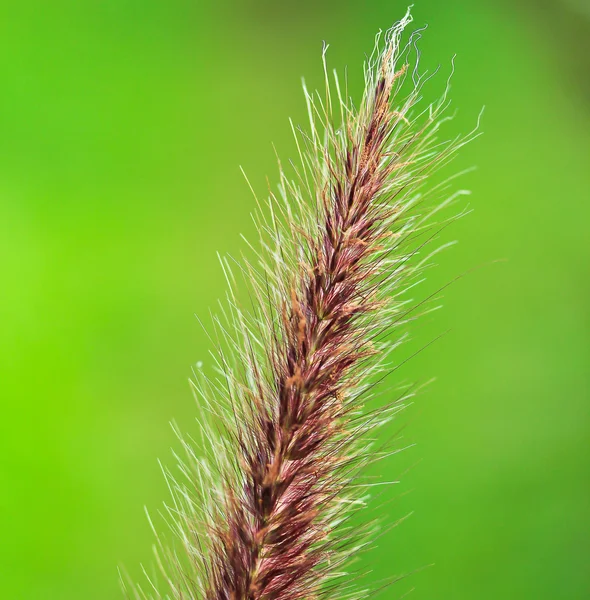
264	515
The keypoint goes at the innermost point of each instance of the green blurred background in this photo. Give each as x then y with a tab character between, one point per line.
122	125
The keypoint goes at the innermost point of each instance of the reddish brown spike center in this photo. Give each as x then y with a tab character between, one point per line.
272	542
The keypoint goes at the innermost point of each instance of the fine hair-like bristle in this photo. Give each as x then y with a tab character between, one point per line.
263	515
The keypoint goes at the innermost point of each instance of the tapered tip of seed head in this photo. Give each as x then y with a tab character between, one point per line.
389	70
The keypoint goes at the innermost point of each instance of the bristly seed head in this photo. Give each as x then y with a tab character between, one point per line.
261	518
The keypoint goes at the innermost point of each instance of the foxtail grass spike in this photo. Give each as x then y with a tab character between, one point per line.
265	514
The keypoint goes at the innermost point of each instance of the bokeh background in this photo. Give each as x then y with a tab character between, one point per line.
122	125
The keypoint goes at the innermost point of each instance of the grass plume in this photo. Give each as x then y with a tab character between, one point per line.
265	514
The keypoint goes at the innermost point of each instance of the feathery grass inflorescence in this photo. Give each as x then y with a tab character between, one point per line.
265	515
